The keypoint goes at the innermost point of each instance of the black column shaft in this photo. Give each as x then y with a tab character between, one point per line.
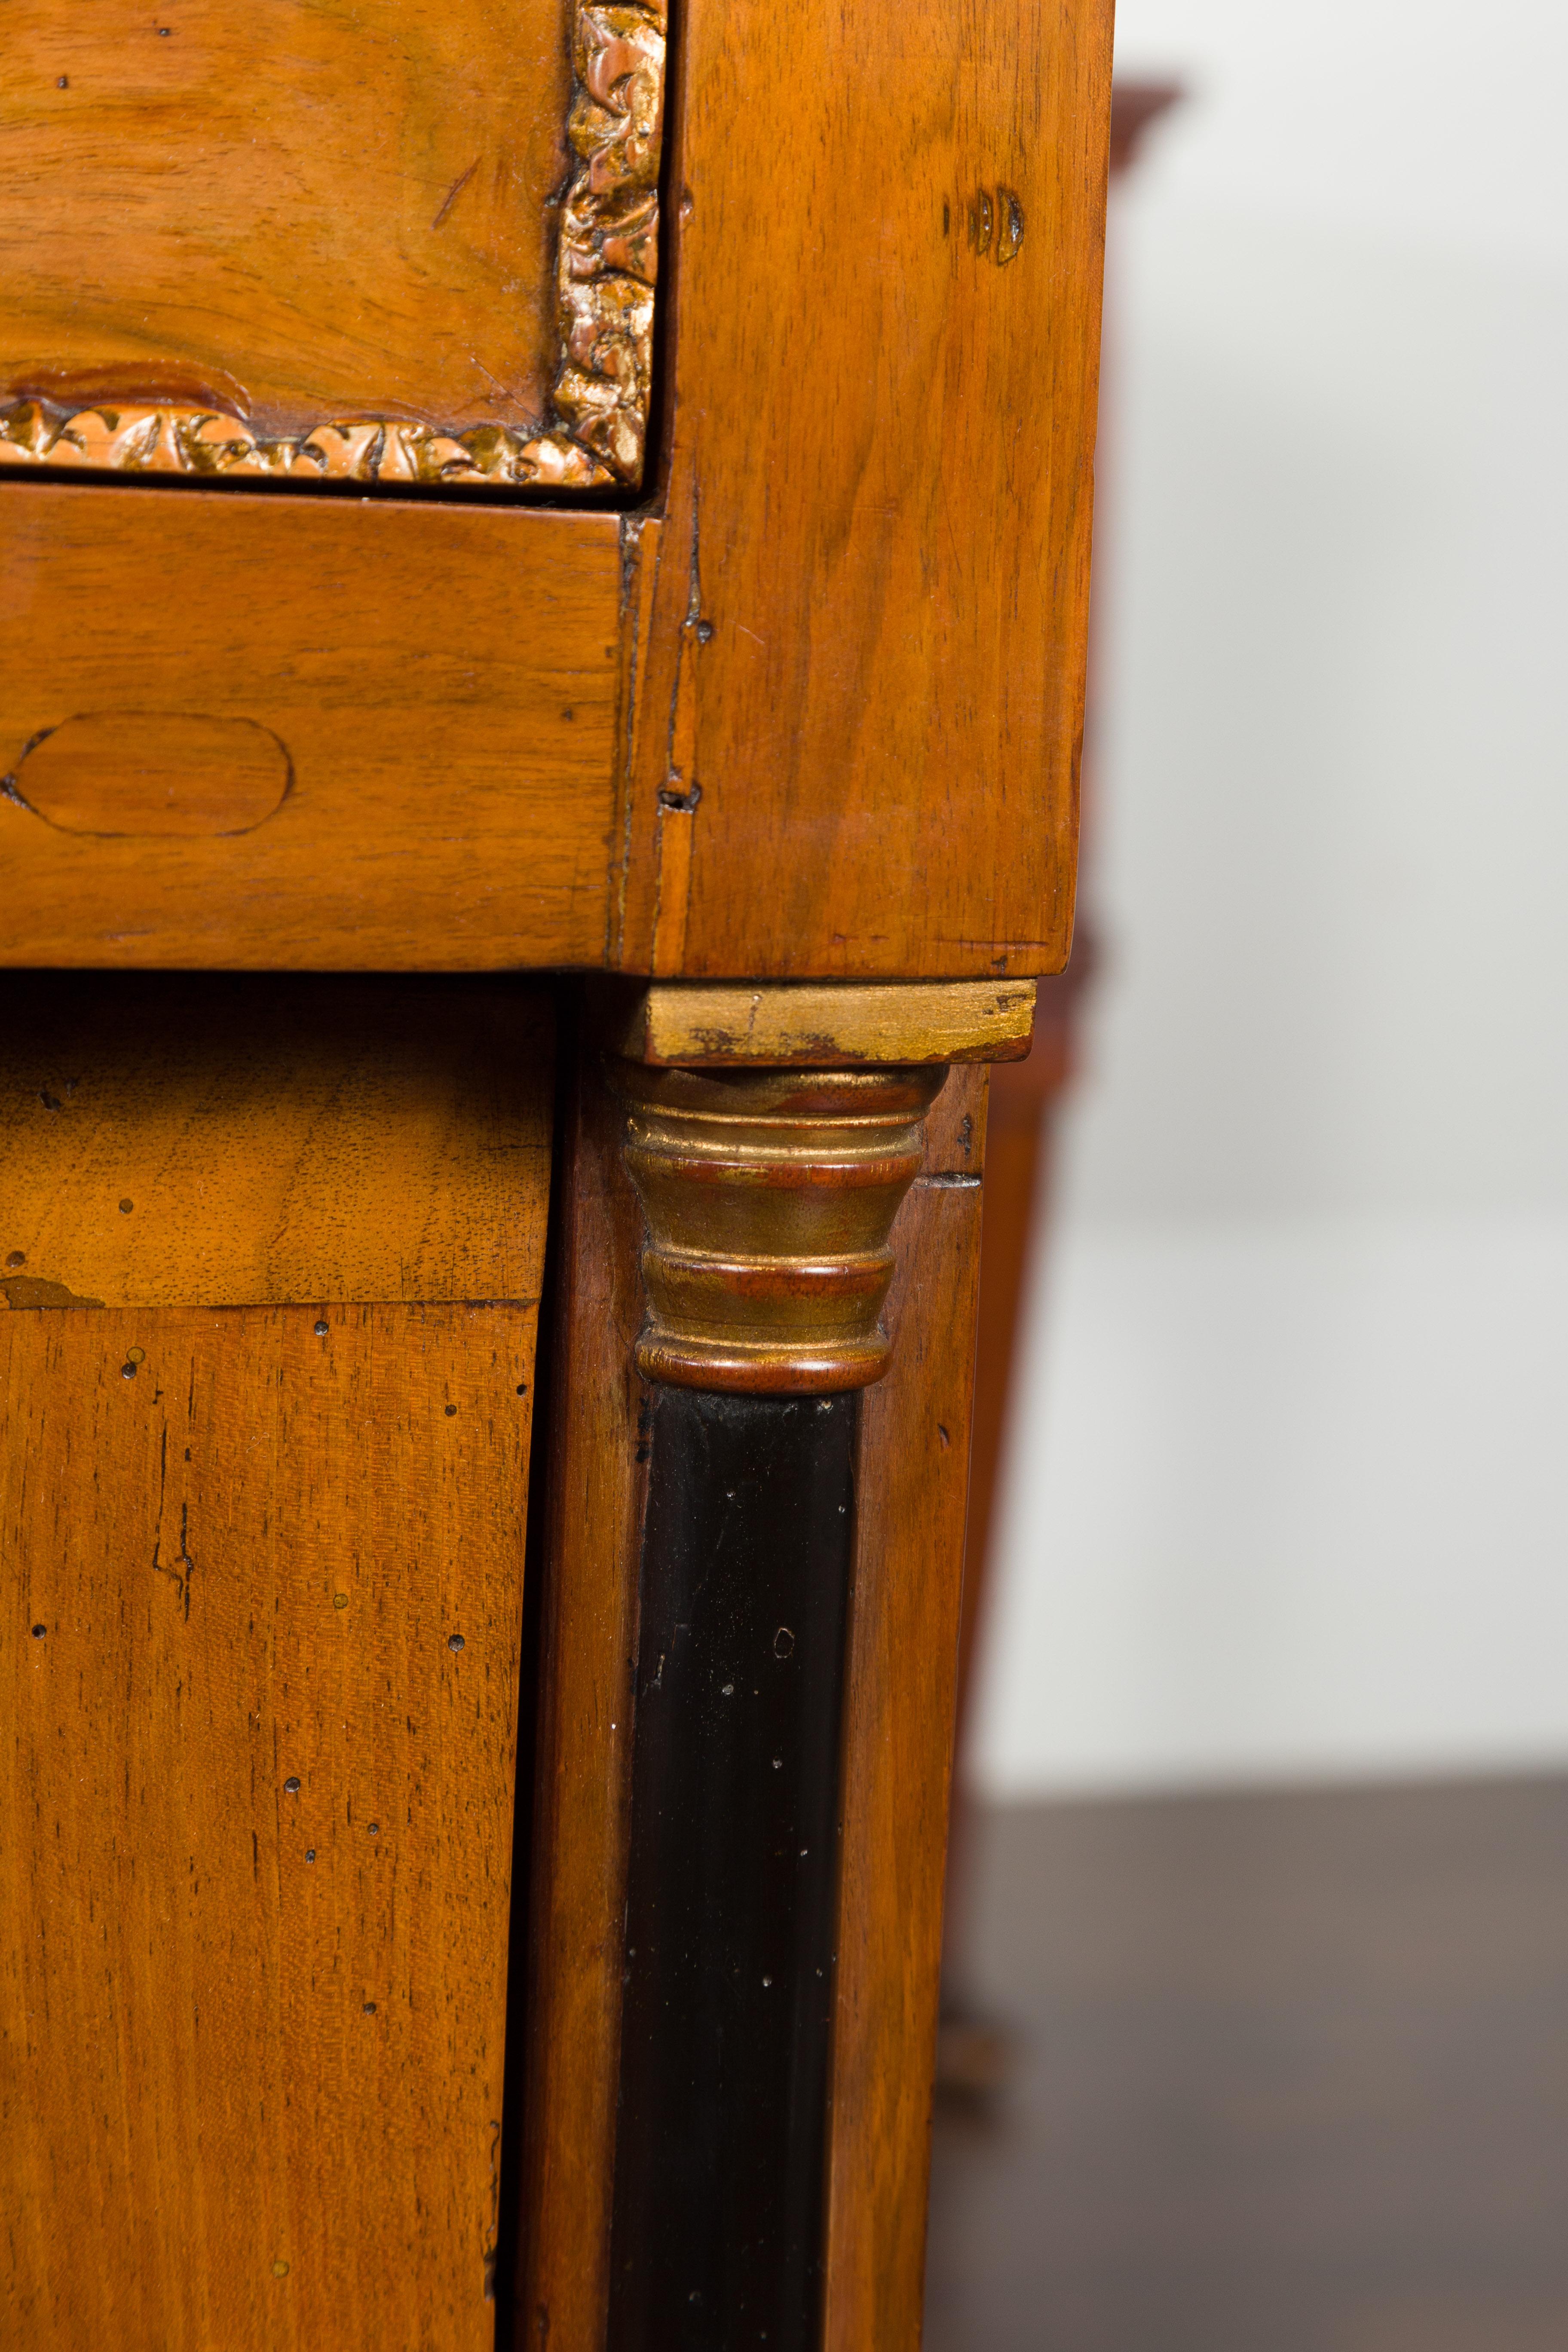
722	2143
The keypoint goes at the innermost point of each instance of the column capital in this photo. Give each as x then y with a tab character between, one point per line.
770	1197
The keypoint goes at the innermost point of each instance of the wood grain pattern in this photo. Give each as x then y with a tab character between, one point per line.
583	1782
264	1571
331	242
262	1139
319	207
816	718
444	683
898	1748
865	674
253	2099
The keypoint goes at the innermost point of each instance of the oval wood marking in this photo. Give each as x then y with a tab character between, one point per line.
150	773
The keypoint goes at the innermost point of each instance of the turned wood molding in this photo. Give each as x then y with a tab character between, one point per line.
771	1133
769	1197
606	267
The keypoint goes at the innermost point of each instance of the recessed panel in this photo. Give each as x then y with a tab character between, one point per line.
327	238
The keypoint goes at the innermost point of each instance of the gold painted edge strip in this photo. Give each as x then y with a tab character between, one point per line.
811	1024
606	273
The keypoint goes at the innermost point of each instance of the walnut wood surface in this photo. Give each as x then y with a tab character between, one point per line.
319	208
224	2057
816	714
583	1774
259	1139
860	705
444	684
230	240
253	2033
897	1746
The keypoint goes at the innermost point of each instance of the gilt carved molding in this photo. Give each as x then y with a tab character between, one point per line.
606	267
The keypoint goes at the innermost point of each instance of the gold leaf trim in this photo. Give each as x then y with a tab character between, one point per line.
605	271
768	1200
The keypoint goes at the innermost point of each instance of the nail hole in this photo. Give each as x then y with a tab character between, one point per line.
290	1787
128	1372
370	2008
17	1258
784	1643
451	1410
455	1642
310	1854
38	1632
522	1388
126	1207
376	1829
322	1329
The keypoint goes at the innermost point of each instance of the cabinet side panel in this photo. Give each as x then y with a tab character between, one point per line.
897	1745
258	1681
253	1968
886	240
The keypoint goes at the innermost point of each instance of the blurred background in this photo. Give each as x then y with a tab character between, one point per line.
1258	1922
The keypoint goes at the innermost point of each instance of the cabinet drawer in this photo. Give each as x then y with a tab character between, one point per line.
254	730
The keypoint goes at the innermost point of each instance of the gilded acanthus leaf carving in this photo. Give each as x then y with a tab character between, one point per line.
606	267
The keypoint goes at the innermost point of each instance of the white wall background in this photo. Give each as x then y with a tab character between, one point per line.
1289	1485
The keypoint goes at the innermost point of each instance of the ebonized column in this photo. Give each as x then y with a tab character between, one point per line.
769	1197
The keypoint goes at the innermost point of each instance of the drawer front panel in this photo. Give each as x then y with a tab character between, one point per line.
318	733
382	239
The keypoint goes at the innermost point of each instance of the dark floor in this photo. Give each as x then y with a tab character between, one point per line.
1292	2077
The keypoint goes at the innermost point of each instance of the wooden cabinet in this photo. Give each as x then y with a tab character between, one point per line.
545	559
